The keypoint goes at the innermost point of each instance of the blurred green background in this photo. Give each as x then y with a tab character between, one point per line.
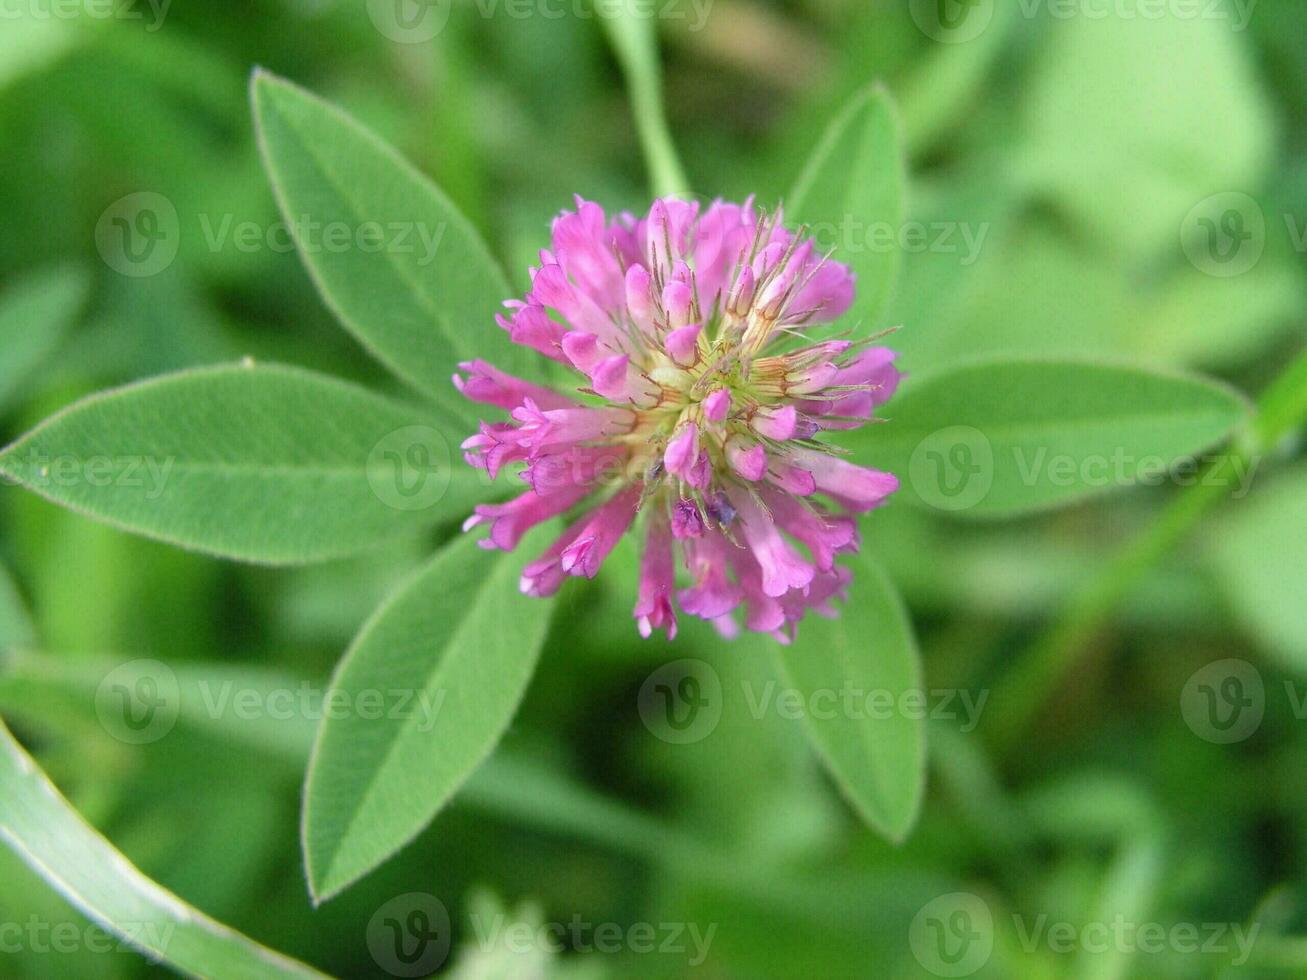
1062	165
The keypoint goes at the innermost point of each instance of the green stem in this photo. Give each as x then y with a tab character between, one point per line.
636	45
1281	409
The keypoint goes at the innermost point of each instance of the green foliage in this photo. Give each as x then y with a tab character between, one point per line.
1130	122
37	822
877	753
851	194
1050	301
632	33
423	296
457	647
998	438
261	463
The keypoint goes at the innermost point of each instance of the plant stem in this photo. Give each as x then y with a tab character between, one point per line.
635	43
1281	409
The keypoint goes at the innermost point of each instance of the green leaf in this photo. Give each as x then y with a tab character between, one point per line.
35	313
851	194
47	834
634	38
267	464
992	297
56	694
1260	556
426	297
1002	437
947	81
1194	318
873	744
1129	122
461	643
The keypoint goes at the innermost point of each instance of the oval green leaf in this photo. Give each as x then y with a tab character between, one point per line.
457	645
999	438
259	463
851	195
410	277
875	743
50	836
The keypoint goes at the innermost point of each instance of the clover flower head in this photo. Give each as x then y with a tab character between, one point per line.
699	418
